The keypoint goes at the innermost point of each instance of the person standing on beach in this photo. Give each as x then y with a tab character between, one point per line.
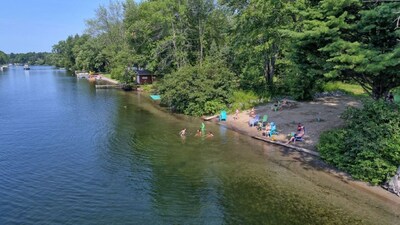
252	112
236	114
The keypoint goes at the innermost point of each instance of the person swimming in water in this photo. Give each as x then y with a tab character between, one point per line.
210	134
198	133
183	132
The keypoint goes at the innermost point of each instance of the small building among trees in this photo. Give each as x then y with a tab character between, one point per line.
144	76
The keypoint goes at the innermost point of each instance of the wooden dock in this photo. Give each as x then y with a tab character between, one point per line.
210	117
108	86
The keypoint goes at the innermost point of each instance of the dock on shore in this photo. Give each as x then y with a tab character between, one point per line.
108	86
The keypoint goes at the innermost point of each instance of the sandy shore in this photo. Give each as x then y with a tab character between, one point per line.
317	116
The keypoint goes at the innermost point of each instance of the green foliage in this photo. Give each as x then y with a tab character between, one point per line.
243	100
3	58
117	72
349	88
274	47
302	86
213	107
190	88
149	88
368	147
257	40
345	40
35	58
123	74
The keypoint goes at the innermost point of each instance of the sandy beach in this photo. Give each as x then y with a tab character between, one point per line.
317	116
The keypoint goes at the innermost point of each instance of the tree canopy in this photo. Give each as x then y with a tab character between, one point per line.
3	58
347	40
271	47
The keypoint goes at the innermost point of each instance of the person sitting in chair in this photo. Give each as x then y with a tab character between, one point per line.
267	129
298	135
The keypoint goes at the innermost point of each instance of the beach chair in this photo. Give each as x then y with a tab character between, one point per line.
262	124
300	138
222	116
273	129
254	121
264	120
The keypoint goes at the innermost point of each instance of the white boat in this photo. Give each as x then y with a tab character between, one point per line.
26	67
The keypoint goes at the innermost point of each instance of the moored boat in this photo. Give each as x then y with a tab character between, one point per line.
26	67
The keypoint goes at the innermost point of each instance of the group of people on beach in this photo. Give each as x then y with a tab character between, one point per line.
267	127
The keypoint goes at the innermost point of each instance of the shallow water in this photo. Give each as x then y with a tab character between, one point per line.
71	154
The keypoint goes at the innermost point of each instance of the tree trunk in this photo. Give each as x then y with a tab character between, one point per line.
201	42
269	65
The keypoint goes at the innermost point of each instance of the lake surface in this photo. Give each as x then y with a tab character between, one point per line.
71	154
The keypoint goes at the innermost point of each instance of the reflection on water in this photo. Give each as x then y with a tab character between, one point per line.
72	154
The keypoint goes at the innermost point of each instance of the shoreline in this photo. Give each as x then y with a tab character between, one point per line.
240	126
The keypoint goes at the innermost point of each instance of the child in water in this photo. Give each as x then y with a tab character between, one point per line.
198	133
183	132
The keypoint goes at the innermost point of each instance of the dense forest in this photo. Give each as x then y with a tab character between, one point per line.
270	47
214	55
34	58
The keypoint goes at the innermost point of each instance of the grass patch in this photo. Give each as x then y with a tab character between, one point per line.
245	100
108	75
352	89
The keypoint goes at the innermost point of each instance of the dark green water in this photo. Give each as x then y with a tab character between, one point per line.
71	154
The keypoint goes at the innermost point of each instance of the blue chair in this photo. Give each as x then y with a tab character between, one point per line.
273	129
222	116
254	121
301	137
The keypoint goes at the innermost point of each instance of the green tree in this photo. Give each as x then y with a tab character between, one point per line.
3	58
368	146
198	90
258	43
348	41
167	34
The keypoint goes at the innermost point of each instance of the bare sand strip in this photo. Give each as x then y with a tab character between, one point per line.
112	81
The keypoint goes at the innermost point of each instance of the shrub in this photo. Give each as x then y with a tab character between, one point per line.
199	89
368	147
243	99
213	107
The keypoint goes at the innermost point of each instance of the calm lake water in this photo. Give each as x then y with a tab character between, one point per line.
71	154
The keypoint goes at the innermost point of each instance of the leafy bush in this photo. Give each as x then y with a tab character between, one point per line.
213	107
243	99
191	88
301	85
353	89
116	73
123	74
368	147
149	88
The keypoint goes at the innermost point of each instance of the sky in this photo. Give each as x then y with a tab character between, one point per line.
37	25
